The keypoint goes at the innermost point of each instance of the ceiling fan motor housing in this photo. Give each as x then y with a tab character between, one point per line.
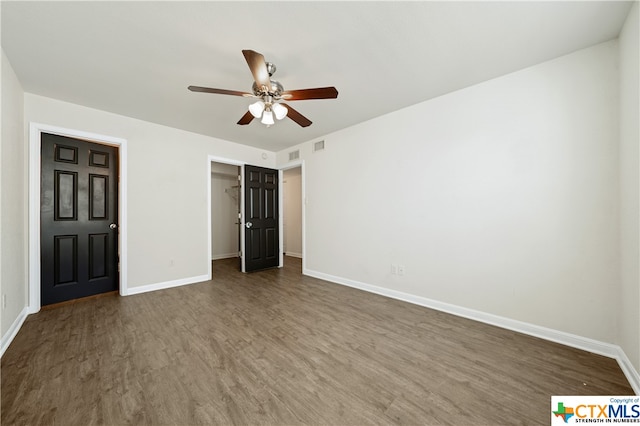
276	89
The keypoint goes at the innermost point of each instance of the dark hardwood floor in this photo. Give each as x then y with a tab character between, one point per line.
275	348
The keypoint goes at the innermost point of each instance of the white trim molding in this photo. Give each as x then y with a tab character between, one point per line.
167	284
629	371
590	345
35	131
13	330
224	256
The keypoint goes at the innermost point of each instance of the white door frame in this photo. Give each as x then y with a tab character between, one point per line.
292	165
35	131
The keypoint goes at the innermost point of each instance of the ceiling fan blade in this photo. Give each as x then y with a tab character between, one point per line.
317	93
219	91
297	117
258	67
246	119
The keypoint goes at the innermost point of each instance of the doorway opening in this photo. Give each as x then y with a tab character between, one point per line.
292	212
225	211
229	219
292	206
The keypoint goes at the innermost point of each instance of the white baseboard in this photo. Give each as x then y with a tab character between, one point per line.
629	371
13	330
224	256
292	254
166	284
568	339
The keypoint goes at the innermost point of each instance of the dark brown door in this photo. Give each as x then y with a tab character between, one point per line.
262	244
78	219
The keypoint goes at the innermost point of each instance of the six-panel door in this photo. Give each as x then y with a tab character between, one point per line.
78	219
262	244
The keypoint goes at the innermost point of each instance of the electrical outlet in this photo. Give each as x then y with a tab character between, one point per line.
4	301
400	269
171	262
394	269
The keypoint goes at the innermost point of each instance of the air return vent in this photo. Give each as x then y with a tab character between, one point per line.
318	146
294	155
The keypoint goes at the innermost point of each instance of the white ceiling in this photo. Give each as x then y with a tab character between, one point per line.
137	58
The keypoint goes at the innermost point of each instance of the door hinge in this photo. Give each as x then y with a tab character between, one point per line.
239	178
239	254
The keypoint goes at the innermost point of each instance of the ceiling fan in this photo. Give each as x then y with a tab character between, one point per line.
270	94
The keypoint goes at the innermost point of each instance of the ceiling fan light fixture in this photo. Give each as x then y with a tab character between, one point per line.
269	92
267	118
256	109
280	111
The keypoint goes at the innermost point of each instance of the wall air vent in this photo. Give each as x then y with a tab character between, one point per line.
318	146
294	155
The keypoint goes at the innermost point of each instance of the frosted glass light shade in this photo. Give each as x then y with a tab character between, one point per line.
267	118
256	109
280	111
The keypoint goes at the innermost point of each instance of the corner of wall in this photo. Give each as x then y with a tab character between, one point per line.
628	313
13	206
2	59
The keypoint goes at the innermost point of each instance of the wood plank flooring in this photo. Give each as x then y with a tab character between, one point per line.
275	348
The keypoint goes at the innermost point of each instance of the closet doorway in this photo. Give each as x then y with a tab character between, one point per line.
225	210
292	212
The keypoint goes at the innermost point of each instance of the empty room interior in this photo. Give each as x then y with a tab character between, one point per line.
317	212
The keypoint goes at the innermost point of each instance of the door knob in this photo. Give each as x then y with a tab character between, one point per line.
248	225
113	226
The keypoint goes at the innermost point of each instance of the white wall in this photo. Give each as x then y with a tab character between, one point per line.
13	220
224	211
292	214
629	302
501	198
167	187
